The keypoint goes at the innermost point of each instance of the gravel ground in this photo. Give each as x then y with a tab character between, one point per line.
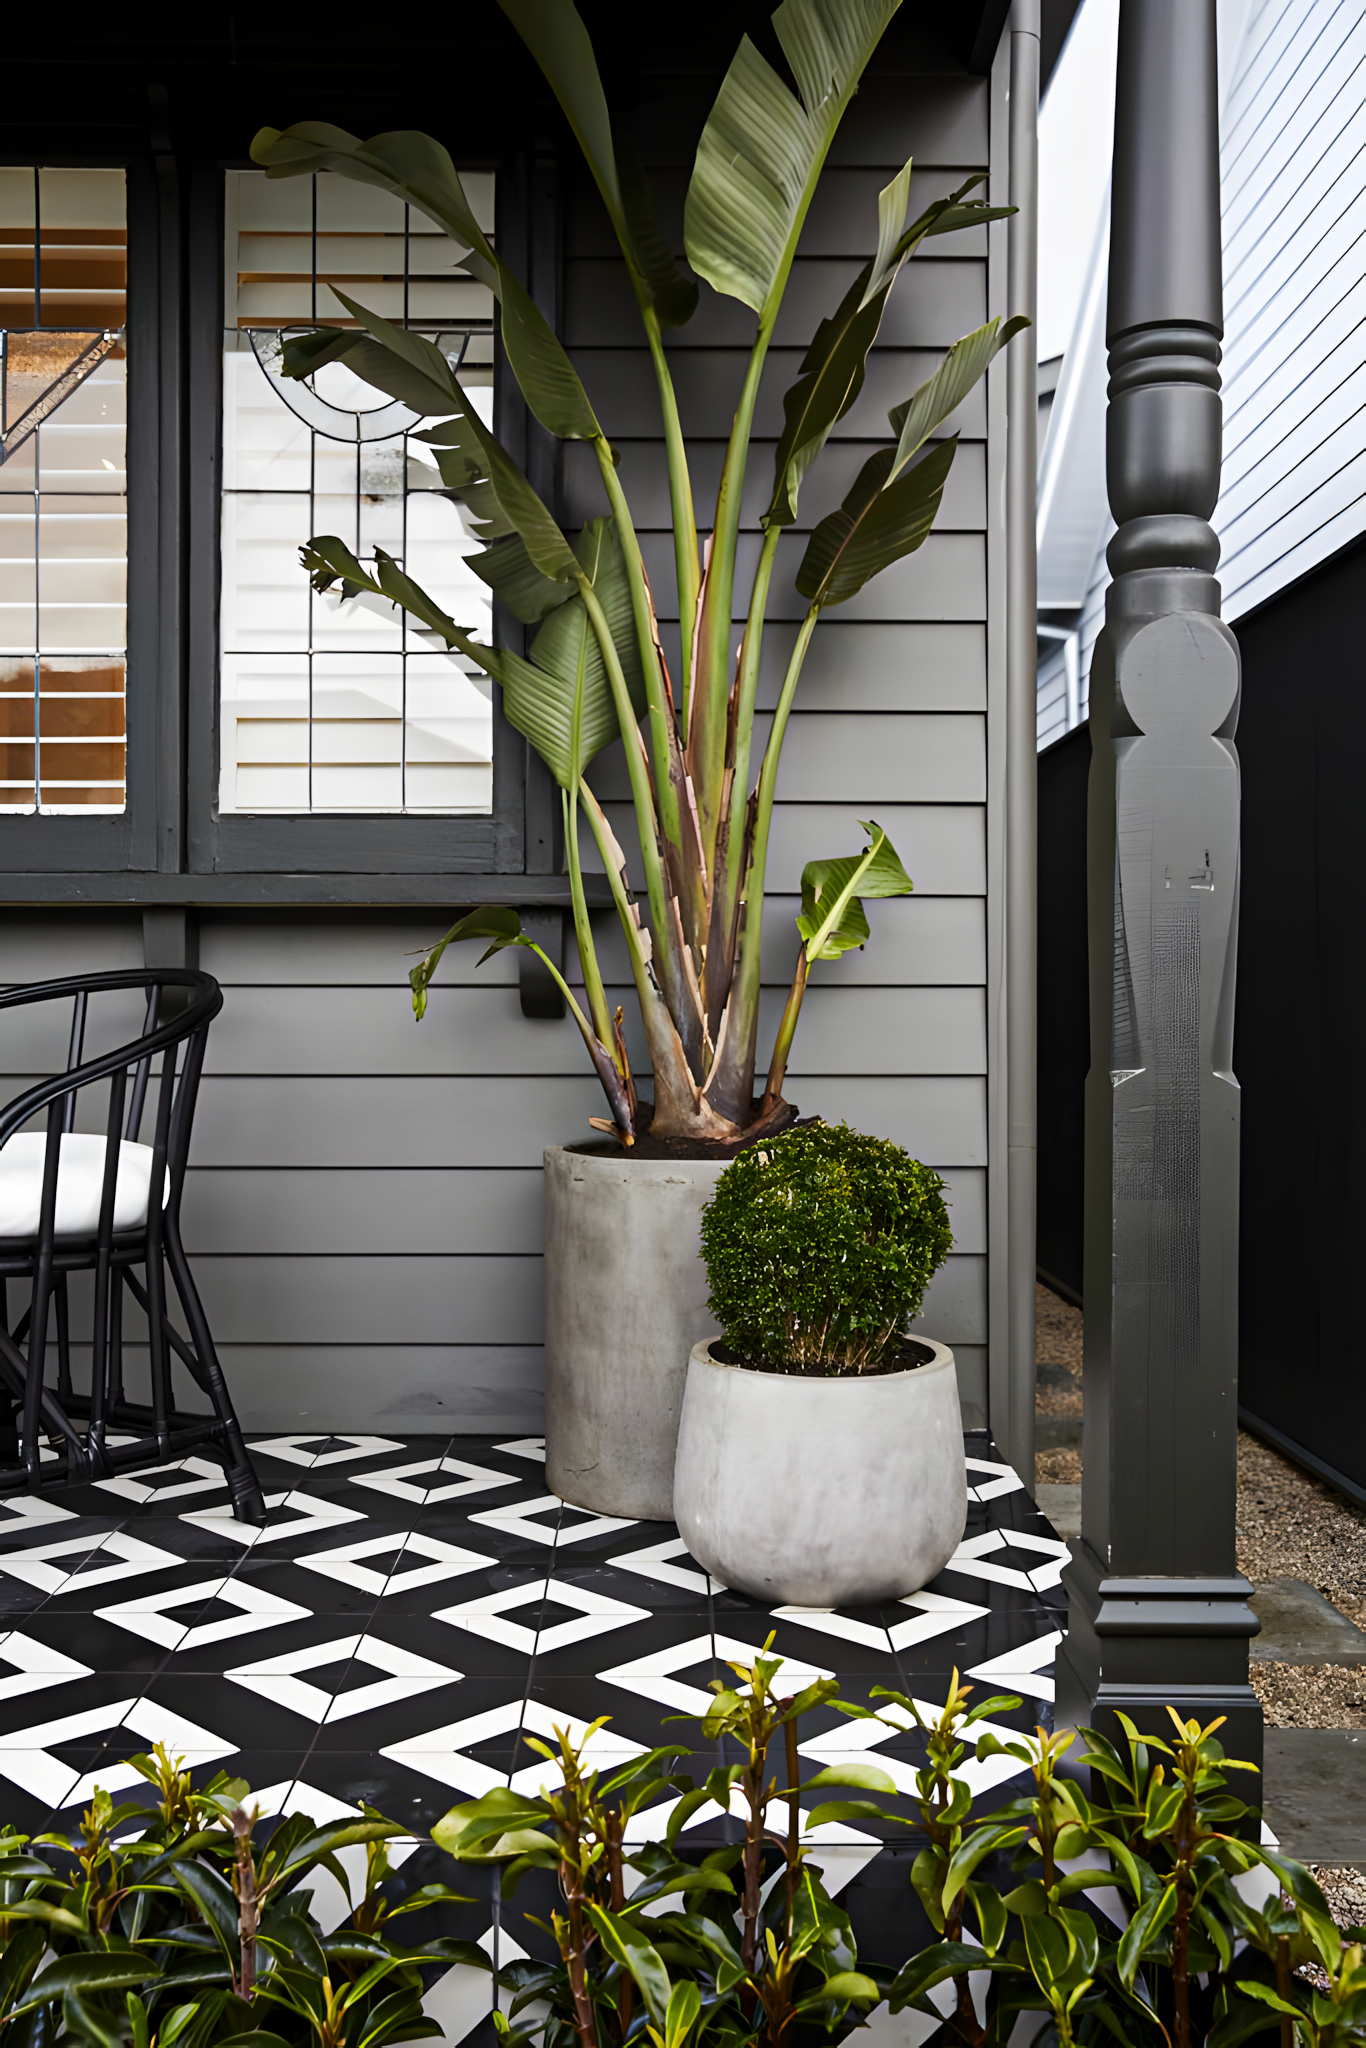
1345	1891
1311	1695
1292	1526
1058	1391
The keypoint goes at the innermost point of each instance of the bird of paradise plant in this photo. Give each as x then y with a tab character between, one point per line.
596	667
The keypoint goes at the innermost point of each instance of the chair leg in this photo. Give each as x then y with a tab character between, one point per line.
248	1502
9	1405
61	1304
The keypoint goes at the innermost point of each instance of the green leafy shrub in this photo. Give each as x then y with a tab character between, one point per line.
1145	1918
819	1246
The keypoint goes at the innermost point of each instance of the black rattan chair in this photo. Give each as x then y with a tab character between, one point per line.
77	1202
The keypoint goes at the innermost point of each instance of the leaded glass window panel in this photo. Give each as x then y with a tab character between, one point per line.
328	706
63	490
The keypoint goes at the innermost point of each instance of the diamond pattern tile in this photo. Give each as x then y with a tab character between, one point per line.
417	1610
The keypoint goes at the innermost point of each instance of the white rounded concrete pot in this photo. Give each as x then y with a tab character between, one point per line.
821	1492
625	1301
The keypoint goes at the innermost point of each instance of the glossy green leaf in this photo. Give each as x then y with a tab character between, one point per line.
989	1908
43	1909
916	419
684	2008
762	150
845	1987
846	1810
213	1895
1147	1923
629	1947
933	1965
1050	1949
866	1777
877	524
109	1970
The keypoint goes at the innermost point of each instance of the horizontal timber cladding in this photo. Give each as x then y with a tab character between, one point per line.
364	1200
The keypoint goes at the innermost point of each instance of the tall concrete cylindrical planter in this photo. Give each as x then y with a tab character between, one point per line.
821	1492
625	1301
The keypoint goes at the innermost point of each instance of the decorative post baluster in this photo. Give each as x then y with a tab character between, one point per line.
1159	1612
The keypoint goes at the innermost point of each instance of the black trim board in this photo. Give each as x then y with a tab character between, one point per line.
271	891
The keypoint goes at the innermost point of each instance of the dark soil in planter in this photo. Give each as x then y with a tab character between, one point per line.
646	1147
906	1358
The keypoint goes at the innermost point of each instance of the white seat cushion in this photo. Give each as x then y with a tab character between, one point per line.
80	1183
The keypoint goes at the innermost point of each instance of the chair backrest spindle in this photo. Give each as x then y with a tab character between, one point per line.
144	1068
73	1057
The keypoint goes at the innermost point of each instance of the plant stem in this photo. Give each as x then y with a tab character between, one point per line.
709	693
782	1044
668	967
727	883
680	487
678	1110
583	931
1181	1924
793	1824
1283	1989
248	1905
642	610
731	1089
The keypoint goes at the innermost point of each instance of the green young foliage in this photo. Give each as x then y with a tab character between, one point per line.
819	1245
195	1929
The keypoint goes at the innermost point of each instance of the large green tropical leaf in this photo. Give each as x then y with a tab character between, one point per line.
917	417
554	33
412	166
560	699
406	365
673	294
460	461
878	523
329	561
419	170
834	365
762	150
509	571
549	382
875	872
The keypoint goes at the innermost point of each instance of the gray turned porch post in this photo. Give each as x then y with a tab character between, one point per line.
1158	1610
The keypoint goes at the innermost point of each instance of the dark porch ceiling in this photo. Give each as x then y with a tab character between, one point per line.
456	69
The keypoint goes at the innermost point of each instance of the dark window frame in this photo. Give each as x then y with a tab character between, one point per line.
320	841
69	843
171	846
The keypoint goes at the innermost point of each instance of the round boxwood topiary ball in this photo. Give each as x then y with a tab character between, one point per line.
819	1245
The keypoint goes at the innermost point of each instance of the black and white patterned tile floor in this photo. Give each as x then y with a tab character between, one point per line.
415	1607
